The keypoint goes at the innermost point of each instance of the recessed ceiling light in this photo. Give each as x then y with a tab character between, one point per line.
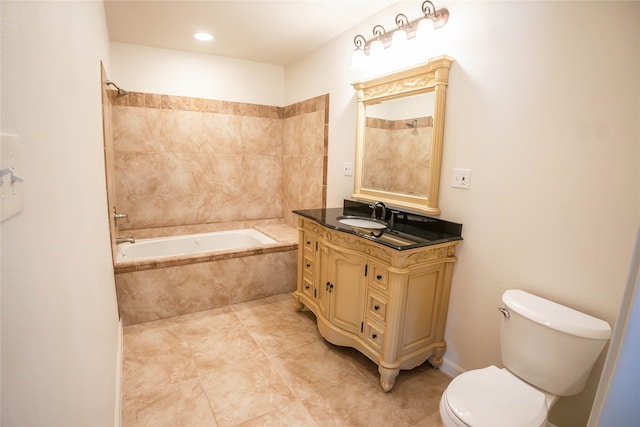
205	37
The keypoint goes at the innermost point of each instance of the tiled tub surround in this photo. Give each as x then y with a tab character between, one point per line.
393	166
196	164
171	286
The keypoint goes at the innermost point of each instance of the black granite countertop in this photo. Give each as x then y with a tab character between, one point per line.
408	230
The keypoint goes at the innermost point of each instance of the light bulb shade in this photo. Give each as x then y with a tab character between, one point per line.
399	39
425	29
376	48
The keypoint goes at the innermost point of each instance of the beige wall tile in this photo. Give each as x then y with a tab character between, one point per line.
135	129
180	131
180	161
262	136
222	133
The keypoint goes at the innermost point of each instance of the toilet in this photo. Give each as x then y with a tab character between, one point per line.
548	351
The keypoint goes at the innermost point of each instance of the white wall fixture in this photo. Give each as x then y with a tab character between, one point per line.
11	199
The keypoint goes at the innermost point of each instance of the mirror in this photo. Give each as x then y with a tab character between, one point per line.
399	132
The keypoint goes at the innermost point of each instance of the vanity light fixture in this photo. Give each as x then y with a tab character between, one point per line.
432	19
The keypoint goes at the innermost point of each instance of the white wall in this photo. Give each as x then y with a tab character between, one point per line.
59	316
171	72
543	107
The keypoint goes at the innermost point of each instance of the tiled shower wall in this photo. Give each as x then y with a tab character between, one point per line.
189	164
398	155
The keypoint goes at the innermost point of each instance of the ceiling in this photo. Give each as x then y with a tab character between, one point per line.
270	31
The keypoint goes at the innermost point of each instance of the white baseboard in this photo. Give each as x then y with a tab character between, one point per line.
451	369
119	362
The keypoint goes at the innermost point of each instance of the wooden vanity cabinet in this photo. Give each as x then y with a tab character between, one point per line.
390	305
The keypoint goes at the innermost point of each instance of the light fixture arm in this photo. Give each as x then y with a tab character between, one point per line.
439	18
401	20
379	32
428	8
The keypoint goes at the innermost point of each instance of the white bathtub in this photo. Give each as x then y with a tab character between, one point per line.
163	247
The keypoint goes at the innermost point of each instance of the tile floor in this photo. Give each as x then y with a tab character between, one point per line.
261	363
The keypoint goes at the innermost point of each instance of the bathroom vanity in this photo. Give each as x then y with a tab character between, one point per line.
386	296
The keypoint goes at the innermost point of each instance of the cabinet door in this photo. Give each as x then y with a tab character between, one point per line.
425	310
324	280
347	290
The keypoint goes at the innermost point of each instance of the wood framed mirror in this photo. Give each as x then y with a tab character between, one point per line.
399	136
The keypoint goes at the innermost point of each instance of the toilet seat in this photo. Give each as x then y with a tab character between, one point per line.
495	397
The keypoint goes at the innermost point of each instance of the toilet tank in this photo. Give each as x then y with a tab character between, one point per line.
549	345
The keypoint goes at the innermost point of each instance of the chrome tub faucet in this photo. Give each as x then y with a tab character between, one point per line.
117	216
129	239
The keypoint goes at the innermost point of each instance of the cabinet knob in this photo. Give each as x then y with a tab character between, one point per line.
379	276
376	307
308	265
306	287
374	336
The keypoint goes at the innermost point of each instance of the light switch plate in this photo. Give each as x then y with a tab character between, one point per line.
460	178
348	169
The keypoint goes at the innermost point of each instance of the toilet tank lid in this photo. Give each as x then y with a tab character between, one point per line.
556	316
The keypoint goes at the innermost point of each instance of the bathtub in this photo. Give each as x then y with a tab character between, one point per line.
191	244
164	277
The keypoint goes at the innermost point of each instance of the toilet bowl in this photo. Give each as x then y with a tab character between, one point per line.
493	397
548	351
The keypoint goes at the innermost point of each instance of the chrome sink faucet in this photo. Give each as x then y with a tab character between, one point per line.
376	205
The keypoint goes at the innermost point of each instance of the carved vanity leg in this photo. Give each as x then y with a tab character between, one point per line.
296	303
436	358
387	377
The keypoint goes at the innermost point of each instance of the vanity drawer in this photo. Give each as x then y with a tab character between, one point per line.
377	306
309	242
308	262
374	336
307	285
379	277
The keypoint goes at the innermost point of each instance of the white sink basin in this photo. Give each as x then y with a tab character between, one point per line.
362	222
